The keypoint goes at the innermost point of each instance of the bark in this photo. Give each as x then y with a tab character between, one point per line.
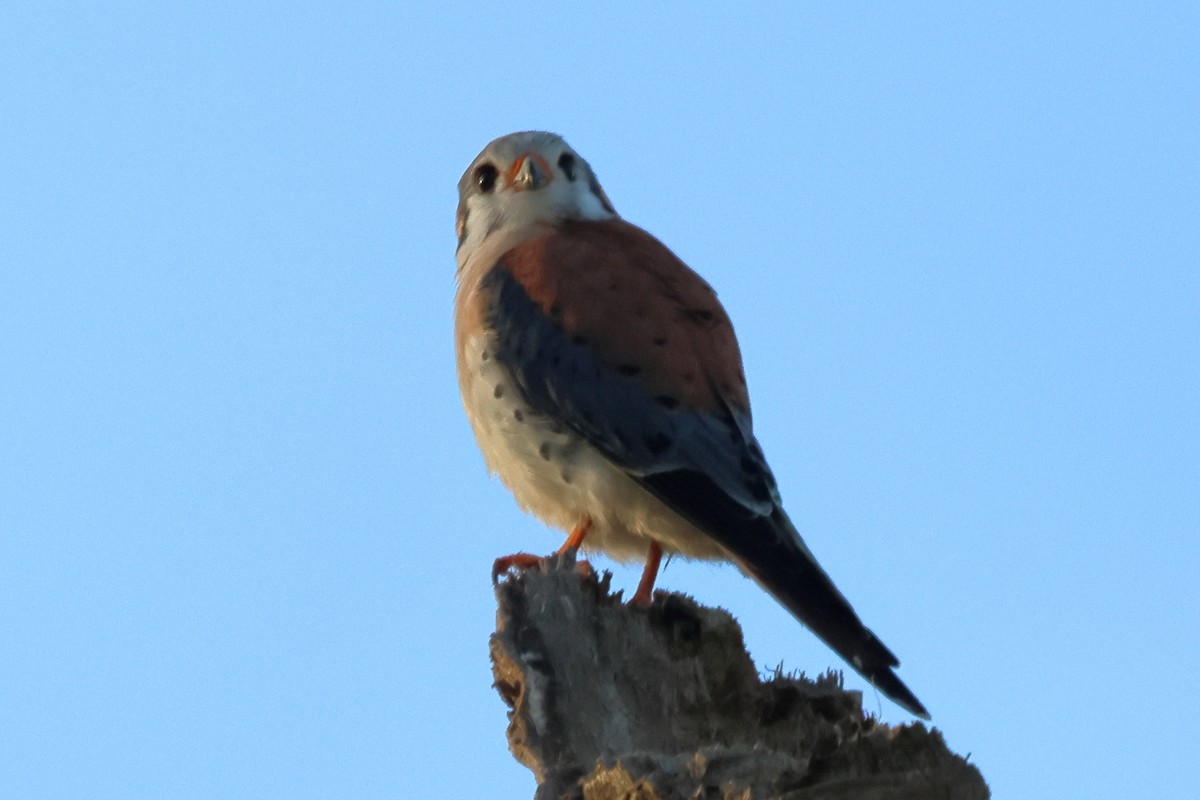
612	701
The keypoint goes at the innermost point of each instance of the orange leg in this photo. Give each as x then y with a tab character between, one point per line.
527	560
646	585
578	534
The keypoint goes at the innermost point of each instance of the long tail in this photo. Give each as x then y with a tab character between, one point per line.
781	563
770	550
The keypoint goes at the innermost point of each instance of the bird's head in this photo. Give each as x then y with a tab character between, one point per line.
523	180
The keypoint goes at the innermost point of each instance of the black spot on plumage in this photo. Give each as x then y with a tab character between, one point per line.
498	392
660	341
566	162
518	415
544	450
555	310
657	443
607	409
629	370
485	355
709	485
759	490
619	437
699	316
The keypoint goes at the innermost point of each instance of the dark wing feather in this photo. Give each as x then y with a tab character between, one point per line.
706	466
566	380
769	549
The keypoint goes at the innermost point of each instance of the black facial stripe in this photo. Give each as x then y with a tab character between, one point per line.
566	162
464	214
594	185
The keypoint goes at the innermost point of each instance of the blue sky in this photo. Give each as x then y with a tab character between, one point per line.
245	533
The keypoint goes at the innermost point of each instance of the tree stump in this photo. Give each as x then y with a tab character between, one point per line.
610	701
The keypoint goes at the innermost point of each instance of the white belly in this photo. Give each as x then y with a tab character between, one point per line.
558	477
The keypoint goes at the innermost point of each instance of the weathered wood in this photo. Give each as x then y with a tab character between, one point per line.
663	703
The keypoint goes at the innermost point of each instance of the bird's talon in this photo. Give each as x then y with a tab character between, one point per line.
642	599
661	358
520	561
515	561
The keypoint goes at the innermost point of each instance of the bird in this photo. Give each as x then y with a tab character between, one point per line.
604	385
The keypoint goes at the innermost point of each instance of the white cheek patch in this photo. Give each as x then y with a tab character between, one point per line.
590	206
482	219
513	213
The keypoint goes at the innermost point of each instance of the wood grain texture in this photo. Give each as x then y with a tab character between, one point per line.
611	701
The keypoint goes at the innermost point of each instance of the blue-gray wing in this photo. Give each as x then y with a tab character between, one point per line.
562	376
703	463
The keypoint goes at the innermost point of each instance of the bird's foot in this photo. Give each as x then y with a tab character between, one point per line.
520	561
644	596
642	599
515	561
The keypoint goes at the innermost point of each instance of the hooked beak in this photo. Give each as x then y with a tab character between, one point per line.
529	172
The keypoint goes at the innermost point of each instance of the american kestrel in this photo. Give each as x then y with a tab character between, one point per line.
605	387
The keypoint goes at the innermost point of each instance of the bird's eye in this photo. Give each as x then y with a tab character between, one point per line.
566	162
485	176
